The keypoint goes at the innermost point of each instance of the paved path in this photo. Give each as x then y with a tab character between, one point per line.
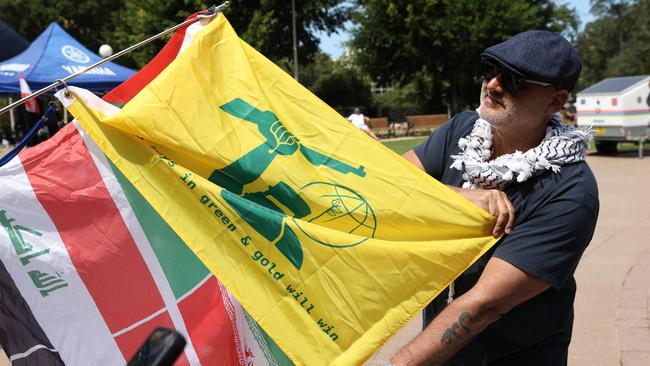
612	304
612	307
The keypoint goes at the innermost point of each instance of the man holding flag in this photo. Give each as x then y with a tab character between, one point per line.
515	305
325	253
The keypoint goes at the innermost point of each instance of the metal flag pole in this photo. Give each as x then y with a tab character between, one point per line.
12	119
62	82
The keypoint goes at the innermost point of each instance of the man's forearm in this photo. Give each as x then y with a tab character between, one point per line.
453	328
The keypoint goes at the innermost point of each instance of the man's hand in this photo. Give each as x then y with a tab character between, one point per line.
494	202
491	200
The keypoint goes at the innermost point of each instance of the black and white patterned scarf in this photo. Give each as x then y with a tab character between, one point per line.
561	145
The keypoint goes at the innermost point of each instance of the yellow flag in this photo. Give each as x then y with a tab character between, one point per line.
329	240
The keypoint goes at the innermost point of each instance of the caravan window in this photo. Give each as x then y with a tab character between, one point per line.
614	101
582	101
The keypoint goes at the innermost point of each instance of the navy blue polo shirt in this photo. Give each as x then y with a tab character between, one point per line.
555	219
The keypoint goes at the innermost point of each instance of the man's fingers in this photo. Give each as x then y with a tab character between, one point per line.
502	214
494	202
491	207
511	216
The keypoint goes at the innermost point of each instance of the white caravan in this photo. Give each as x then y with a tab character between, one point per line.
618	109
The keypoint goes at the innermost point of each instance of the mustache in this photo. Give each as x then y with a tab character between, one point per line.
497	97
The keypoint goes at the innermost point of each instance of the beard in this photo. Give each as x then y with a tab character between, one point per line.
499	111
502	111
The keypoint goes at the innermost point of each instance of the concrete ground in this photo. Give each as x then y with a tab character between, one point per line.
612	307
612	304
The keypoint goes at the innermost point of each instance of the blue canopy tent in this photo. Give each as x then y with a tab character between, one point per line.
53	55
12	42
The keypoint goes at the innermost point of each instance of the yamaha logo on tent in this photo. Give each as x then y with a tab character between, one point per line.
74	54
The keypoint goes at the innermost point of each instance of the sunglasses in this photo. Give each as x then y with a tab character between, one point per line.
511	82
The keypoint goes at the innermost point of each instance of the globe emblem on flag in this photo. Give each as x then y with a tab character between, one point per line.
74	54
340	208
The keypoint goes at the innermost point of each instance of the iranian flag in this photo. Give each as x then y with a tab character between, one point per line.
88	268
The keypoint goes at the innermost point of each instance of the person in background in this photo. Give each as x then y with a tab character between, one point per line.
359	120
514	158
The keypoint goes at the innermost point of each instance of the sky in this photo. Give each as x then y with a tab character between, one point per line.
334	46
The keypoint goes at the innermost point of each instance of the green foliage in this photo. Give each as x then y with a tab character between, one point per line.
439	41
137	20
82	19
322	65
617	43
265	24
342	87
399	102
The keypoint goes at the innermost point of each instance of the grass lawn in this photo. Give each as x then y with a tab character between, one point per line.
402	146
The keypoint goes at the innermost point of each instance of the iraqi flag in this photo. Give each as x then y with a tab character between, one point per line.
88	269
31	105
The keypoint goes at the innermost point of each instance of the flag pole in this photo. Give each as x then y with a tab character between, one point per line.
12	120
213	10
295	41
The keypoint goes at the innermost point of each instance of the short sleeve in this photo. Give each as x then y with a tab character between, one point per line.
435	152
549	244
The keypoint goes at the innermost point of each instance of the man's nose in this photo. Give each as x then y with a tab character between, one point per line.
495	84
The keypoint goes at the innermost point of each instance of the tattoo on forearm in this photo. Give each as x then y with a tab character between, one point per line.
453	332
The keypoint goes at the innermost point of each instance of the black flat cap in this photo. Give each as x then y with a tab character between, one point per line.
539	55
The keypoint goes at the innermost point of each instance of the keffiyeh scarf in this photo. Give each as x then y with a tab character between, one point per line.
561	145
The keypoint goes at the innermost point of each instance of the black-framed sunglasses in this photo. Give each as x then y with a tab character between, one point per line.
512	83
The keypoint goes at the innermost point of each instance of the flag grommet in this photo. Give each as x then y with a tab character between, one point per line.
66	92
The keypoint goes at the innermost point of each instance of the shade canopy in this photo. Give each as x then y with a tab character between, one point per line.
53	55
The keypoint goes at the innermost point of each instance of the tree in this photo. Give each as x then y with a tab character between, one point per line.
264	24
342	88
617	43
339	83
398	102
82	19
137	20
438	42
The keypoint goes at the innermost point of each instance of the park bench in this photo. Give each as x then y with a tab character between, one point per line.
379	125
425	122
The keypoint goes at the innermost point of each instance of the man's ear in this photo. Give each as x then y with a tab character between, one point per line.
558	100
